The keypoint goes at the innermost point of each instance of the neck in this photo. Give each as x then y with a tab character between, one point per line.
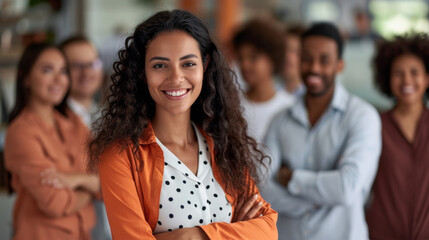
86	102
261	92
409	110
173	128
292	84
317	105
45	111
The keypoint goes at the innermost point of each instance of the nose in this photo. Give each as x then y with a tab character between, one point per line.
315	66
176	74
407	78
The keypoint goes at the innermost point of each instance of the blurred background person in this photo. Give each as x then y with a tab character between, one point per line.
86	81
324	149
291	73
363	29
46	154
86	71
259	48
400	208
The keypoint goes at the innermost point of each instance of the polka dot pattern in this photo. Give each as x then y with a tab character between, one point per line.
189	200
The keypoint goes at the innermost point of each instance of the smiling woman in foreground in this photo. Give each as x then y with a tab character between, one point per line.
174	158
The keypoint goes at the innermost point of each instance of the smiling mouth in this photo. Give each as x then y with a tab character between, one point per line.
408	89
176	93
55	89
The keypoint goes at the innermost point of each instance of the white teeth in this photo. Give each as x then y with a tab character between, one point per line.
176	93
408	89
55	89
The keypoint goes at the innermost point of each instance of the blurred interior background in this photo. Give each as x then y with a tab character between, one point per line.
107	22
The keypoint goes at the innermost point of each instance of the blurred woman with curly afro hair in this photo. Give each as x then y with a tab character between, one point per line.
171	148
400	207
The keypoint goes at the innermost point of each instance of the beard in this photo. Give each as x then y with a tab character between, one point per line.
327	82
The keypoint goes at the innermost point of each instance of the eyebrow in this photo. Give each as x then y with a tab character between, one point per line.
188	56
167	59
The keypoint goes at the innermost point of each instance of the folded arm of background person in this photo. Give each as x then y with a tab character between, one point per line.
128	220
274	193
355	170
25	158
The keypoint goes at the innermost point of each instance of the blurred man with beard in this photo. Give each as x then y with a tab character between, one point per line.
324	150
86	75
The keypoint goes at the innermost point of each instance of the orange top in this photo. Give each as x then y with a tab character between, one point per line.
132	196
43	212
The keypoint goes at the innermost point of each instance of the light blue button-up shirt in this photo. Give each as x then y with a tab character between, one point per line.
334	164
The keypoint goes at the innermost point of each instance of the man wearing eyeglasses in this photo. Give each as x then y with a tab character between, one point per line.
86	77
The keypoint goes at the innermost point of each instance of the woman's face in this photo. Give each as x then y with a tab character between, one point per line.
256	67
48	81
174	71
408	79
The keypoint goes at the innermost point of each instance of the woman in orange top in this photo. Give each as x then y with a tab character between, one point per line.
173	122
45	153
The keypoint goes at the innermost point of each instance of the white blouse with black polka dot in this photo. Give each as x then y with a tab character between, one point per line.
187	200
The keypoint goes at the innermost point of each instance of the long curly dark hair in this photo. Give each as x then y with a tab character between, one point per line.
217	110
387	51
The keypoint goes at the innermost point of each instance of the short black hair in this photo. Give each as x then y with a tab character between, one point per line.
326	29
73	40
387	51
264	37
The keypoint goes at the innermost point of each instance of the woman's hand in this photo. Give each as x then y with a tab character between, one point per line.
246	210
183	234
51	177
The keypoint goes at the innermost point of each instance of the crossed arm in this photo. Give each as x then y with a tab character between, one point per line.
57	194
353	174
128	221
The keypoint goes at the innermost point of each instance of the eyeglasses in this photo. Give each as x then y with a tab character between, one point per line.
80	66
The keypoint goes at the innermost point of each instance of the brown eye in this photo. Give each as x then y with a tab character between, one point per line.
46	69
415	72
159	65
189	64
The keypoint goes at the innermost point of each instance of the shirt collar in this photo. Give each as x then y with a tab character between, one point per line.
340	99
148	136
76	106
339	102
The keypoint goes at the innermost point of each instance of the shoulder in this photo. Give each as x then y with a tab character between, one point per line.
362	115
115	151
279	119
283	99
22	126
361	109
281	94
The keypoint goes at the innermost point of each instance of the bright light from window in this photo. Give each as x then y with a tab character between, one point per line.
396	17
322	11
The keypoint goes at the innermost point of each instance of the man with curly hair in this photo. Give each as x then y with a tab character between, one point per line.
324	150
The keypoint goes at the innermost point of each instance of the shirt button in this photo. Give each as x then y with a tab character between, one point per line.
310	159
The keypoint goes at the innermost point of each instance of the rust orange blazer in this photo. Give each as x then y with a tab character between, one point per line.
42	212
132	196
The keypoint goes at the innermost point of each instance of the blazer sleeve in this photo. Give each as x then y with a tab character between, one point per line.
124	210
25	159
263	227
